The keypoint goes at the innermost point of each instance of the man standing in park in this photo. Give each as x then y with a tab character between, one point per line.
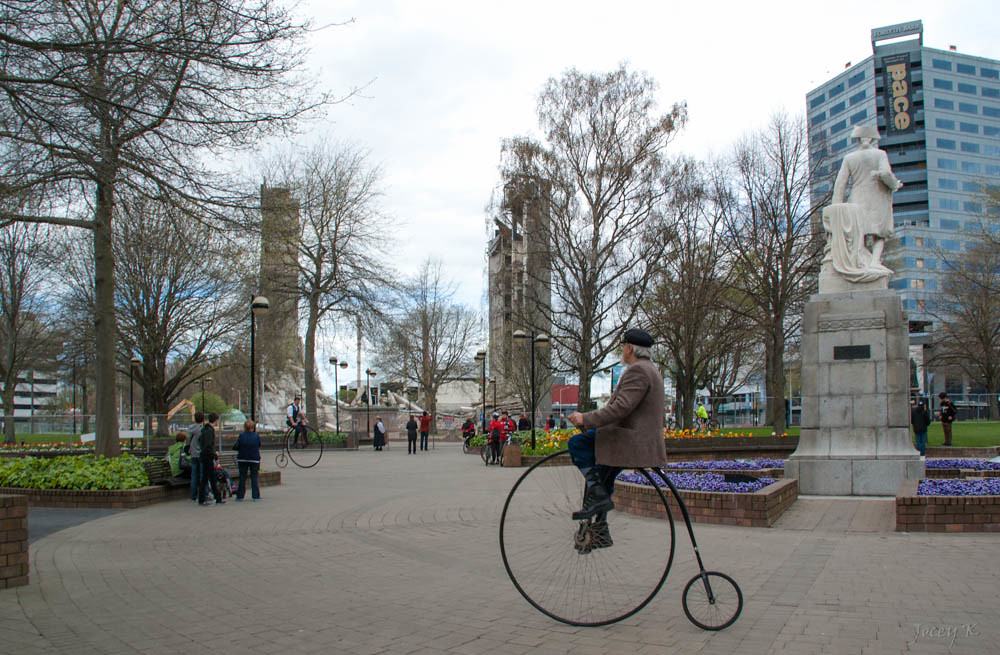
626	433
193	449
425	429
947	416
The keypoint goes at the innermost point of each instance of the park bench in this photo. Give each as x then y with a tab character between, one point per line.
158	470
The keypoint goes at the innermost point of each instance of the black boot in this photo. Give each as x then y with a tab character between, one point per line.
595	498
601	533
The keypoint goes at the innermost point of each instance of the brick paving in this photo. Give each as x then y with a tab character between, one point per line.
394	553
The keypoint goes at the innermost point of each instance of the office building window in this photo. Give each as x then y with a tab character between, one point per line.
972	207
836	90
991	111
918	242
947	203
916	284
991	151
946	144
947	164
993	169
941	64
971	167
948	183
921	305
967	69
970	187
858	97
943	84
856	78
838	145
990	73
969	128
972	148
968	108
818	118
837	108
967	88
944	124
991	130
991	92
860	116
817	101
941	103
838	127
919	263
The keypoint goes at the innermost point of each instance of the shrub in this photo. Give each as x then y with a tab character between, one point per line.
92	472
333	438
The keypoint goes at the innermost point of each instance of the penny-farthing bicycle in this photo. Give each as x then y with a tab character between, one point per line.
305	454
604	569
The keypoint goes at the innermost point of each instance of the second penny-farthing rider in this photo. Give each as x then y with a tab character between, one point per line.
296	420
626	433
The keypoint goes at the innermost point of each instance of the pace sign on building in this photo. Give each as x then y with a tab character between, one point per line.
899	110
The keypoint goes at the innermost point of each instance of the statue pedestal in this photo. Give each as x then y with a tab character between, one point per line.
855	437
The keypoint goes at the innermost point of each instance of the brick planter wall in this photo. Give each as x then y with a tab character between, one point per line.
945	513
953	452
116	499
760	509
13	541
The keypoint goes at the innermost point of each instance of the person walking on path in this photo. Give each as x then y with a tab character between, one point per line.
193	447
247	449
208	456
626	433
947	416
550	424
411	436
378	434
920	419
425	429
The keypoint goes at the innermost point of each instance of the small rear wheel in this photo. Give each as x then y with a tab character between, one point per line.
712	600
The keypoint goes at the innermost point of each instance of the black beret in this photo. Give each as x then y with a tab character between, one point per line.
637	337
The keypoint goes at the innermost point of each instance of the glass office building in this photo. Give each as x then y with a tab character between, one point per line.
938	112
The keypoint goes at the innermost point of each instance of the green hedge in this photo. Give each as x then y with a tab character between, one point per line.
93	472
333	438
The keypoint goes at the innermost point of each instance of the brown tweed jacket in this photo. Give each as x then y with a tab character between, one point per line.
630	426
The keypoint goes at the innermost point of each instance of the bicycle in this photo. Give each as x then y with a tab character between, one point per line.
305	456
492	453
465	444
600	570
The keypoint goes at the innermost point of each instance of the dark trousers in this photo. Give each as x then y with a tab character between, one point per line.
946	428
581	451
252	468
299	430
411	444
208	472
423	440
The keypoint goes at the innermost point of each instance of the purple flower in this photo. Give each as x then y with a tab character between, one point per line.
699	482
975	464
983	487
754	464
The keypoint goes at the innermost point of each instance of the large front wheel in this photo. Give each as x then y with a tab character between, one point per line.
306	451
588	572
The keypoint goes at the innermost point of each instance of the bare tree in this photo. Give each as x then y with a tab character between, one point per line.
604	159
26	333
341	245
103	95
762	191
428	341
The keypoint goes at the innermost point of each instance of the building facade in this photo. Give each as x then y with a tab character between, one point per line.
519	291
938	112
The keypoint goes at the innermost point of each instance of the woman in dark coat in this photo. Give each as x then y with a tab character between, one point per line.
247	449
208	455
411	436
378	431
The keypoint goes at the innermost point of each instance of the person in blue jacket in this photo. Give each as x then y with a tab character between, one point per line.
247	449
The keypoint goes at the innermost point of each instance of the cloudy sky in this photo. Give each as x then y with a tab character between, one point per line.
446	81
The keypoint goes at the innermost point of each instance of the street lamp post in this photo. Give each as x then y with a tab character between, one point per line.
481	358
204	381
493	381
132	363
74	397
257	304
369	374
336	389
542	340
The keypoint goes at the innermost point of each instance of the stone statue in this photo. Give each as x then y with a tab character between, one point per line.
867	212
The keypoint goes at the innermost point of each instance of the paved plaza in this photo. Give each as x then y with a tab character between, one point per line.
394	553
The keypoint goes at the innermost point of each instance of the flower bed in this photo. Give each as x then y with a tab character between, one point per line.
961	468
760	508
699	482
950	505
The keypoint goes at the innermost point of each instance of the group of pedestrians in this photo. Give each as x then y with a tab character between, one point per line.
199	450
920	420
412	427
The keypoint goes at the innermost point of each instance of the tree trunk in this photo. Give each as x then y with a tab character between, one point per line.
8	413
685	403
104	324
583	392
991	393
310	361
775	379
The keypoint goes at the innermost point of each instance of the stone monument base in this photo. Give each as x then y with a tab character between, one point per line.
855	437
